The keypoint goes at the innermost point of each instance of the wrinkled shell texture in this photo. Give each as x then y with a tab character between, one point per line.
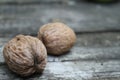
57	37
25	55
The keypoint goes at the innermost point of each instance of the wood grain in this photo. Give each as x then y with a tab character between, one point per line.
84	70
96	54
97	62
89	46
26	19
84	54
31	1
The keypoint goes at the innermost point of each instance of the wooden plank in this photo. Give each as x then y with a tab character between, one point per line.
80	54
82	70
83	54
98	39
32	1
26	19
95	39
92	61
89	46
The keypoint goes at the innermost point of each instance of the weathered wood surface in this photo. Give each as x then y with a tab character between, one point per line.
89	46
95	56
33	1
77	70
82	17
84	54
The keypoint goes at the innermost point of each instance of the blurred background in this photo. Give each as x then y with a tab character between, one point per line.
26	16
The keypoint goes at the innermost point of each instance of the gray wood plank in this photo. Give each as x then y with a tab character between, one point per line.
84	54
85	61
95	39
80	54
89	46
98	39
82	17
32	1
78	70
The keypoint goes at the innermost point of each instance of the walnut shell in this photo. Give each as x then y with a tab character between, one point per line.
57	37
25	55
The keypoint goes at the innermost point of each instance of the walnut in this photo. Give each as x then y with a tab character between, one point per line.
25	55
57	37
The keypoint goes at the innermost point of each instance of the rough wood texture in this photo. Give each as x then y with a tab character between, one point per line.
95	56
89	46
27	19
87	60
81	54
33	1
77	70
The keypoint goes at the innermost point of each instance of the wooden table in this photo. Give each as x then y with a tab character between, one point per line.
96	54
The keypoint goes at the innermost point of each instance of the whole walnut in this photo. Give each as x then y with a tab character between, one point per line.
25	55
57	37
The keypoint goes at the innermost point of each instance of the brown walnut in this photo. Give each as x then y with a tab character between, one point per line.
25	55
57	37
